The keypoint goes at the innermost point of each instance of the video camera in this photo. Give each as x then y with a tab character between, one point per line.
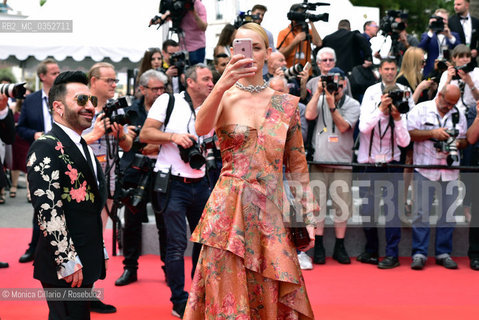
300	15
449	146
400	99
390	27
177	8
332	82
13	90
128	117
179	60
437	25
243	18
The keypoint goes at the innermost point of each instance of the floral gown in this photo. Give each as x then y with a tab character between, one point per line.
248	267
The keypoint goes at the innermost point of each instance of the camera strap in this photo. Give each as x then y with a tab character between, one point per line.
338	106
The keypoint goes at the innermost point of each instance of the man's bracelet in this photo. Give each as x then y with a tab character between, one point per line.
473	88
171	137
333	109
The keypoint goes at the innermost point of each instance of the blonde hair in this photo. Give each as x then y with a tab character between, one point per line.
411	66
95	69
258	29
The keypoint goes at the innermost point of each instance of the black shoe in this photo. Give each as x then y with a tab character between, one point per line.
27	257
474	264
179	310
319	256
367	257
447	263
127	277
418	263
389	263
340	254
99	307
3	265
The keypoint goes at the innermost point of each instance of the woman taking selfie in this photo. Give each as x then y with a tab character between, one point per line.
248	267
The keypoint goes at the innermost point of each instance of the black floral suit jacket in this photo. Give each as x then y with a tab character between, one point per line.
67	202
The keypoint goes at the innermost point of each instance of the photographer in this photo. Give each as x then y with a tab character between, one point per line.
437	39
336	114
294	42
438	130
152	84
383	130
188	190
170	48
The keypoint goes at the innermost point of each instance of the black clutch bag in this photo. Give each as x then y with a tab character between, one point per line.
299	236
298	233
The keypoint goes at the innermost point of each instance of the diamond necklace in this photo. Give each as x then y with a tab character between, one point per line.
250	88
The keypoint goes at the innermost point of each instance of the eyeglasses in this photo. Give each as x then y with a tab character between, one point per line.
82	100
326	60
156	88
110	81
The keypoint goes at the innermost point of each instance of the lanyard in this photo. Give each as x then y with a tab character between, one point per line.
338	106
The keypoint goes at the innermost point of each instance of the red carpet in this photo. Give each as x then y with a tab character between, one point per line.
336	291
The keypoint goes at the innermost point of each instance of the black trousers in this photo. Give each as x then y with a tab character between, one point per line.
68	310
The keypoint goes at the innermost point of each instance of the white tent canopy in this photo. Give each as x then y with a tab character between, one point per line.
114	31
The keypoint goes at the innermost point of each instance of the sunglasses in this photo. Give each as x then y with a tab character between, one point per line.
156	89
82	100
326	60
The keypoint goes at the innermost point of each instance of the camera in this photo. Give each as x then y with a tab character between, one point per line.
301	15
177	8
212	153
332	82
245	18
13	90
437	25
192	155
466	68
400	99
390	27
293	71
449	146
179	60
112	106
133	191
137	146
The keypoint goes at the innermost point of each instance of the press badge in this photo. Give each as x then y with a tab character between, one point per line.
333	138
380	158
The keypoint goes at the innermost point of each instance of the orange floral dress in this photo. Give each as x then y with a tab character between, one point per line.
248	266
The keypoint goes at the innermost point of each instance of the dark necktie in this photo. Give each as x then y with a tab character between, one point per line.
87	155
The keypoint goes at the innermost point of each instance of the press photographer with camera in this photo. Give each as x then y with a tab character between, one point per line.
294	42
335	114
437	39
383	129
464	75
189	21
183	187
136	168
438	129
171	48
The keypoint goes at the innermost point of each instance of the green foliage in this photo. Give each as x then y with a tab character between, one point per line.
419	12
7	72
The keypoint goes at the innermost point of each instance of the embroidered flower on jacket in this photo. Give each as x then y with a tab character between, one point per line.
80	193
59	147
72	173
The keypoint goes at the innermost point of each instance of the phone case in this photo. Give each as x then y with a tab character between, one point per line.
244	47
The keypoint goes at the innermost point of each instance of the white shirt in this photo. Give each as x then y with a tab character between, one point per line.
3	113
47	117
467	97
426	117
467	27
76	139
181	121
371	118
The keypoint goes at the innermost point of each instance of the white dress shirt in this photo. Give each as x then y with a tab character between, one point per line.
47	116
426	117
373	121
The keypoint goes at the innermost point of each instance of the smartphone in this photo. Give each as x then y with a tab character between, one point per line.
244	47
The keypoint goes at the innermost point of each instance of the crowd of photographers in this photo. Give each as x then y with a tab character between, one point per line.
371	104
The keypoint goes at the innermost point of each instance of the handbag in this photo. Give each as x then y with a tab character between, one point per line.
298	234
